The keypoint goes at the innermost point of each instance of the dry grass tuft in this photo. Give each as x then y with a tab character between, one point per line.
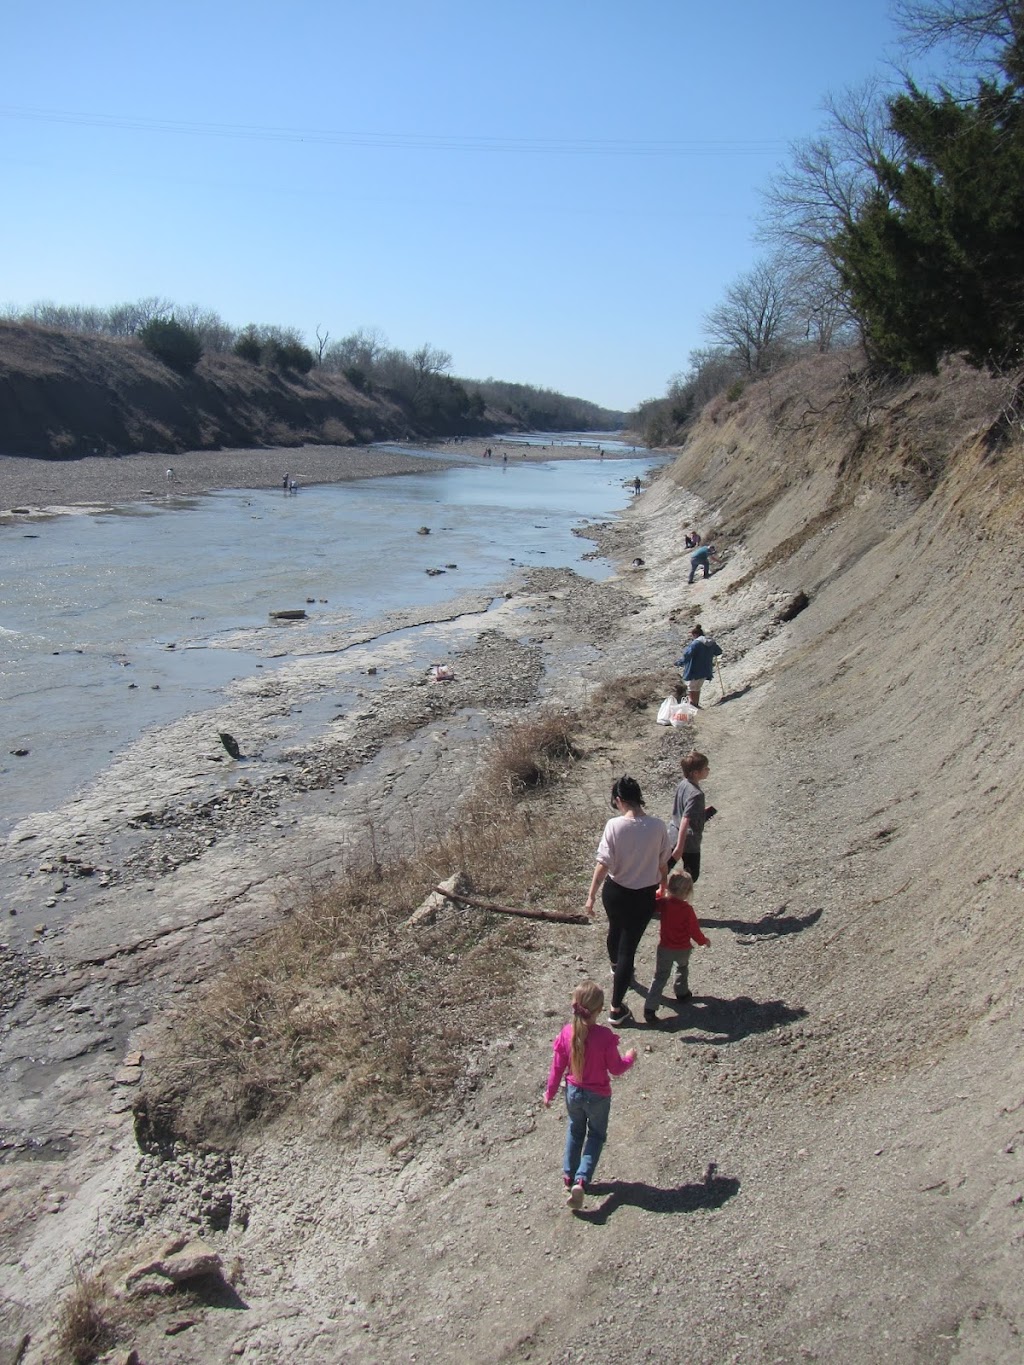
85	1327
618	703
532	753
344	1009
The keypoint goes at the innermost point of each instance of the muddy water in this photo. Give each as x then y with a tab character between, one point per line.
118	621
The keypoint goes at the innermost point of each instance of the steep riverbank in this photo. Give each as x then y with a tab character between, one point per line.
821	1158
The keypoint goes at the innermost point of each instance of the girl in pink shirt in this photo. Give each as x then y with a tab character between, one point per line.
590	1053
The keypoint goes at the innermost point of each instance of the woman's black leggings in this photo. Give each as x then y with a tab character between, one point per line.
629	913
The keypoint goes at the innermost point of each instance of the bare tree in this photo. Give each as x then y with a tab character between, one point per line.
828	177
211	329
67	317
361	350
754	322
974	30
430	360
126	319
321	342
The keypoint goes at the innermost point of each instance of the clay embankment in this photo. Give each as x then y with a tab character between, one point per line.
821	1158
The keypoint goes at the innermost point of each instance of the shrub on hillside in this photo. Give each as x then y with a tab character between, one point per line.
177	346
248	347
289	355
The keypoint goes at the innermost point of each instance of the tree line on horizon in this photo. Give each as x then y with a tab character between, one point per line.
420	381
896	230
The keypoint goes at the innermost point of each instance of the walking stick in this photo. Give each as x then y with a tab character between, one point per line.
721	684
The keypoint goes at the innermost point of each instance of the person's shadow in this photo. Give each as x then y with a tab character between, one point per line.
728	1021
734	695
773	925
710	1193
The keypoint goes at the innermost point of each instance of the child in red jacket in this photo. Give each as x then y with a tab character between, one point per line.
679	932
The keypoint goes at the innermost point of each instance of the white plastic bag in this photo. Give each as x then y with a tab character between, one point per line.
665	710
682	714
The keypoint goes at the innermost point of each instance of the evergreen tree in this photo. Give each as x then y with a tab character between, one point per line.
934	262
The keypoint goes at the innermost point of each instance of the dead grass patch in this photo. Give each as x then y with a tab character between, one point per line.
344	1009
86	1325
532	753
617	704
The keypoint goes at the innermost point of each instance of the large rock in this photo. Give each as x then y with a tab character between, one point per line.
175	1261
458	882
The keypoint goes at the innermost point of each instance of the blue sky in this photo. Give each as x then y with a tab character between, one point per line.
555	193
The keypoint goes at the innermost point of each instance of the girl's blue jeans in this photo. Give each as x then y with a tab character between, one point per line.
588	1128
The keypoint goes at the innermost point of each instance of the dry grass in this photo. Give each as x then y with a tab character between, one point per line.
85	1326
344	1008
615	705
532	753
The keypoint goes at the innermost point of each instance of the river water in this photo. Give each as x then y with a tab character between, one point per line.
113	622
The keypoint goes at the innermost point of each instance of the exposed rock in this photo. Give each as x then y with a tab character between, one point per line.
175	1261
796	604
458	883
231	744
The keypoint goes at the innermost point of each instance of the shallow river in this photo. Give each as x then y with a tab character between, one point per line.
114	622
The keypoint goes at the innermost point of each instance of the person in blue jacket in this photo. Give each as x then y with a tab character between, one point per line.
701	559
698	662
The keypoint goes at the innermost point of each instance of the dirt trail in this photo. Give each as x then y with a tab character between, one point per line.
821	1157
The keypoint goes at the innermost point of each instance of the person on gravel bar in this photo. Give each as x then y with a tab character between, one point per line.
590	1053
632	862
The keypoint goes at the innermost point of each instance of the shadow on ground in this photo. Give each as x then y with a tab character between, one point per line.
734	695
710	1193
726	1021
773	925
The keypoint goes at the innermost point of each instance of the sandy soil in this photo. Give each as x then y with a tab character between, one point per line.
104	479
821	1158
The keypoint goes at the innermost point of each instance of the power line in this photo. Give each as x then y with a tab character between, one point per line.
401	141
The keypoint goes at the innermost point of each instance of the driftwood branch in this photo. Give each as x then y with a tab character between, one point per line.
554	915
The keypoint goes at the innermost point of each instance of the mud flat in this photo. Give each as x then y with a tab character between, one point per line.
104	480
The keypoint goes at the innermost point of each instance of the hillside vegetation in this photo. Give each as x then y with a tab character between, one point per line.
68	394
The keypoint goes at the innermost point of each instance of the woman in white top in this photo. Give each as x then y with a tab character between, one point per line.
632	861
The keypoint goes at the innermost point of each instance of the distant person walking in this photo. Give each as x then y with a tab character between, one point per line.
690	813
169	476
632	862
698	662
701	559
590	1054
680	931
637	485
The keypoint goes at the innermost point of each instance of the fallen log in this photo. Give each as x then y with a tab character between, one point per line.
556	916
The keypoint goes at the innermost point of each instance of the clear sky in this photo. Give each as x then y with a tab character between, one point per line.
553	192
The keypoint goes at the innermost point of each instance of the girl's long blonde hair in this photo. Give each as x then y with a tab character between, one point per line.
587	1004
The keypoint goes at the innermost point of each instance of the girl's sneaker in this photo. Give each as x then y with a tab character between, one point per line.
575	1200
